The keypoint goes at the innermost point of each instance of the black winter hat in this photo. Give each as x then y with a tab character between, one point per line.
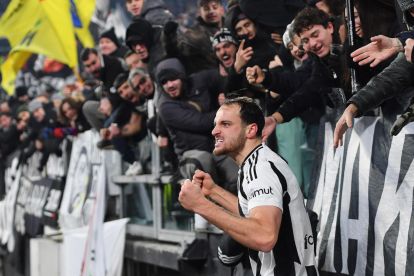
110	34
20	91
139	31
235	14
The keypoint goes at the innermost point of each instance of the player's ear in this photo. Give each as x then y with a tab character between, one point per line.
251	130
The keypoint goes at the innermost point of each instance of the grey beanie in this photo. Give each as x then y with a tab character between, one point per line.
33	105
405	4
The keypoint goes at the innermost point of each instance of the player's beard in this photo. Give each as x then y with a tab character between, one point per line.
231	146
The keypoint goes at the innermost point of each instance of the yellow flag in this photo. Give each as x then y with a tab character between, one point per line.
82	12
38	26
11	67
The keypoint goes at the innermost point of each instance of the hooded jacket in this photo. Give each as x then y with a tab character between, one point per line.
156	12
189	118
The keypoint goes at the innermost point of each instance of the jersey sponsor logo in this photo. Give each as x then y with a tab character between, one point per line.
262	191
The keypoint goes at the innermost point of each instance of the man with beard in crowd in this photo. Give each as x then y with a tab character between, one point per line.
187	107
225	48
126	126
106	69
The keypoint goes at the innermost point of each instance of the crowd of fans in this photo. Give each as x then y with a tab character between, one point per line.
166	82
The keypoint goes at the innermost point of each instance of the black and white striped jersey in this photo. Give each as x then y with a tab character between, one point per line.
265	179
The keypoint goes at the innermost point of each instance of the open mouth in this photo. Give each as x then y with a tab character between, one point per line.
218	142
226	60
318	50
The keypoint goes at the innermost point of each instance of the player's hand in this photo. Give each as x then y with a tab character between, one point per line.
204	181
190	195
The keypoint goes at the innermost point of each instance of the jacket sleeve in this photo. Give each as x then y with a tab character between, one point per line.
300	101
389	83
183	116
285	82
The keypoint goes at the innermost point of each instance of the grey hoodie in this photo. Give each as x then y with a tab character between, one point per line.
156	12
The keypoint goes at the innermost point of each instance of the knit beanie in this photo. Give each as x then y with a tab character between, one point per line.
110	34
33	105
405	4
139	31
223	35
20	91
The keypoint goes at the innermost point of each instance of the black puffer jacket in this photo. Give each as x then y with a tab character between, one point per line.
391	82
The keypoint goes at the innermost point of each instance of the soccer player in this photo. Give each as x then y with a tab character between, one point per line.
268	216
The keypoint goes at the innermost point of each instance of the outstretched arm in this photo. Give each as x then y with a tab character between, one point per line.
381	48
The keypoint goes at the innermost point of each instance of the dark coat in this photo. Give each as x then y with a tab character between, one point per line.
192	46
9	140
389	83
190	118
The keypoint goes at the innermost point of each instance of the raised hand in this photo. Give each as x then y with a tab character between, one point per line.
190	195
380	49
255	75
204	181
242	56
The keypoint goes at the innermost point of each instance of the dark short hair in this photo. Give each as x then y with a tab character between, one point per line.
86	52
250	112
201	3
120	79
128	53
309	17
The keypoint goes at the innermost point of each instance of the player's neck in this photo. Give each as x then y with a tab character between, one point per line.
249	146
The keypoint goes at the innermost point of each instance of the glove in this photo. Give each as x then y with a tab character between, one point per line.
170	28
403	120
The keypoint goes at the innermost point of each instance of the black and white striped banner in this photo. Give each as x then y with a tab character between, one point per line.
363	195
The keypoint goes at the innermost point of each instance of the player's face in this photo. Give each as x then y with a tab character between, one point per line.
229	132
